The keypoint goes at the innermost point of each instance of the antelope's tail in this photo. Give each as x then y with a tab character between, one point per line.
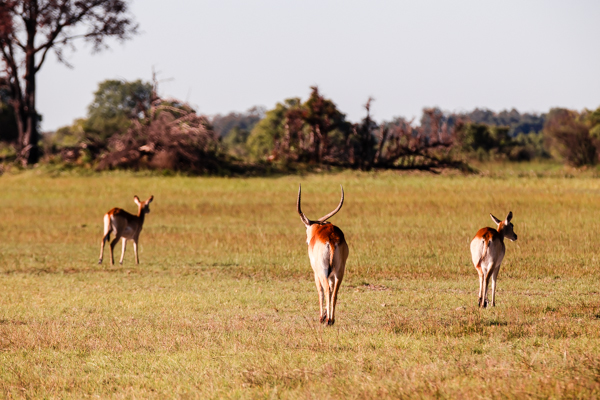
486	246
331	254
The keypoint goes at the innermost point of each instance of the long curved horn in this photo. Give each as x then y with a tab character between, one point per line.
331	214
305	220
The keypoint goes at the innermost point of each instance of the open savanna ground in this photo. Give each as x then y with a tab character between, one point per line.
223	304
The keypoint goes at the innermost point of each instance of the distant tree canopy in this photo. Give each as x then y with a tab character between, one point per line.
223	124
516	122
313	131
475	137
234	128
265	135
116	103
317	132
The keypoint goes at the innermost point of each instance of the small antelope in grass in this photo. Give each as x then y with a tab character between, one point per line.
328	252
487	252
125	226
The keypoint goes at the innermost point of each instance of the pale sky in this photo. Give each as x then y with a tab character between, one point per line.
230	55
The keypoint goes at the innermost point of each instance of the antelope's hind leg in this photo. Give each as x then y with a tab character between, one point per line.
135	249
123	250
322	315
494	278
480	272
486	282
112	248
105	239
325	316
334	293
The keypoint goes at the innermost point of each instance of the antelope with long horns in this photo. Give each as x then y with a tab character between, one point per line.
487	253
125	226
328	252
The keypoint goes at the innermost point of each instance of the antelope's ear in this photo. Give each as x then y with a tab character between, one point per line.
136	200
150	200
496	220
509	216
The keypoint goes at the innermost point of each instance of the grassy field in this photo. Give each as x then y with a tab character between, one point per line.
223	304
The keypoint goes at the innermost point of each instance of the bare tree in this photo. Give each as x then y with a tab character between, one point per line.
29	29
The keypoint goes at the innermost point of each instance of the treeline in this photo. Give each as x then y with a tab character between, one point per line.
129	127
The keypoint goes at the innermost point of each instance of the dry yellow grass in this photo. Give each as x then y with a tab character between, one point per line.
223	303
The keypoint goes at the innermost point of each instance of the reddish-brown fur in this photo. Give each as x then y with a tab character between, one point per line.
119	212
488	234
328	233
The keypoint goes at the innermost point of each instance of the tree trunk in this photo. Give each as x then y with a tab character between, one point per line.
28	126
27	116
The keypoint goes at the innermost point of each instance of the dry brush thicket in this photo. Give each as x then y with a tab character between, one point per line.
169	138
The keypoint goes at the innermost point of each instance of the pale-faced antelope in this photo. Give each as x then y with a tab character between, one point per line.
487	252
328	252
125	226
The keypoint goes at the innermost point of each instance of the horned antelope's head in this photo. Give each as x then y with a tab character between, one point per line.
143	206
505	227
310	224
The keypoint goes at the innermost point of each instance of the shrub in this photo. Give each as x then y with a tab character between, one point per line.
568	135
